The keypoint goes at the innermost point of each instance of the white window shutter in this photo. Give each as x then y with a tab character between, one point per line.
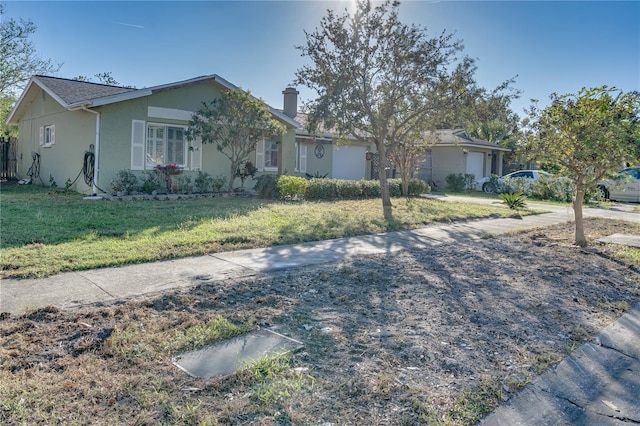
303	158
196	154
260	156
41	135
53	135
137	144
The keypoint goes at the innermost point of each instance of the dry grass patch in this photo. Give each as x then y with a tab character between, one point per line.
438	336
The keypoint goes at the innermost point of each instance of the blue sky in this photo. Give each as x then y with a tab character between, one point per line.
551	46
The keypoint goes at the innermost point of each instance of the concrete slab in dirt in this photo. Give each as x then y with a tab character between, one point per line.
621	239
623	335
601	381
226	357
598	384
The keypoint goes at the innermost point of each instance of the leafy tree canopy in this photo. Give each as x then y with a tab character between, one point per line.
380	80
587	137
234	123
18	63
18	58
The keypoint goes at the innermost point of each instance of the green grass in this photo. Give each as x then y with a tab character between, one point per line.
632	254
46	233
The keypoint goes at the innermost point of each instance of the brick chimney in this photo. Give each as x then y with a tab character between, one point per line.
290	101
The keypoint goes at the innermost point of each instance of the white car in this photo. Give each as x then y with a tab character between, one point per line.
625	187
486	185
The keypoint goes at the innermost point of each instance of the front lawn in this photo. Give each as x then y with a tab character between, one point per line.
45	233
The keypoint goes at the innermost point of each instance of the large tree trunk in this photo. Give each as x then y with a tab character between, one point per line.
384	185
580	238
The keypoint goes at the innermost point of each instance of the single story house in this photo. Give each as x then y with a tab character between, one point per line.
60	121
320	153
454	151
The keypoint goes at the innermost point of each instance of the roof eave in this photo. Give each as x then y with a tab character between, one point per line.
126	96
11	119
283	117
472	145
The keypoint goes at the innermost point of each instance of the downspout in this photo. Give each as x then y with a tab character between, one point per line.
94	188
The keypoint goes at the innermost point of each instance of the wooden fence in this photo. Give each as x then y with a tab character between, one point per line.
8	158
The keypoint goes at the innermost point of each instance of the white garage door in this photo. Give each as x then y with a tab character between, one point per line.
349	162
475	164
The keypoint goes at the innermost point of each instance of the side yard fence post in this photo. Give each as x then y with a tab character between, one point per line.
8	158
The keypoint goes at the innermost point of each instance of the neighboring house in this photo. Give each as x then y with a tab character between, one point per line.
321	153
457	152
61	120
454	152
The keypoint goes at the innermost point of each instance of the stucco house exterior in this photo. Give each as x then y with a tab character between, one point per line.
321	153
451	152
60	120
454	151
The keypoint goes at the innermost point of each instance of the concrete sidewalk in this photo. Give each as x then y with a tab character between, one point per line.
599	384
74	289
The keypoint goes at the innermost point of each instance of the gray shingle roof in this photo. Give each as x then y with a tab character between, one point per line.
73	91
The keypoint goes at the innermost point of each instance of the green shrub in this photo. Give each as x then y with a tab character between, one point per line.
248	170
203	182
348	189
124	182
515	200
316	175
418	187
544	188
266	186
291	187
218	183
321	189
369	188
513	185
469	181
153	181
455	182
395	187
183	184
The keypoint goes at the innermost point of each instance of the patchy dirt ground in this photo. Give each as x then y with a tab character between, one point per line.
416	337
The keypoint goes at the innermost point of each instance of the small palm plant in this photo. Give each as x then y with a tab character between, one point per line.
515	200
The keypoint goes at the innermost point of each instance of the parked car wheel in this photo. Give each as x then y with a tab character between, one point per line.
603	193
488	188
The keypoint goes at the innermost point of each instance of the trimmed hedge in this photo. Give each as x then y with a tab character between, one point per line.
334	189
370	188
291	187
266	186
321	189
417	187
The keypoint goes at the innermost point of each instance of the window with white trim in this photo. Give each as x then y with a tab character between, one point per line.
301	157
47	135
166	145
270	155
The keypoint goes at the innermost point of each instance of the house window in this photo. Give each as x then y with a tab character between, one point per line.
301	157
166	145
47	135
270	155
